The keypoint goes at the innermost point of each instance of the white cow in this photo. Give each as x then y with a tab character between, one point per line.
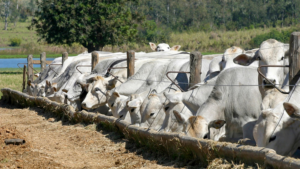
278	128
232	104
127	88
162	47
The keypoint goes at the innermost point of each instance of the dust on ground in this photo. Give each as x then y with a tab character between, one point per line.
56	144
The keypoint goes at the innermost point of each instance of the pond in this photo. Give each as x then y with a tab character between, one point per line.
13	63
5	48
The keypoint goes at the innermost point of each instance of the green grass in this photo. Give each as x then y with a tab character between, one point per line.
11	79
20	31
205	42
6	56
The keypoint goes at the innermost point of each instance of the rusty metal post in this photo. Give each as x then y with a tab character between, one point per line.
95	59
43	60
30	68
294	59
195	68
130	63
64	57
24	78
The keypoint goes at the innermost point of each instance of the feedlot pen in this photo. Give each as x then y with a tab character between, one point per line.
58	143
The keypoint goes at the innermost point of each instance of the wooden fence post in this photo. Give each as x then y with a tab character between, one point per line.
195	68
294	59
130	63
30	68
64	57
24	78
95	59
43	60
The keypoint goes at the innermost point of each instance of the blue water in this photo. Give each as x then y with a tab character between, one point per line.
5	48
12	63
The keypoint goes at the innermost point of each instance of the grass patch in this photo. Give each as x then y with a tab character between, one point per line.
9	80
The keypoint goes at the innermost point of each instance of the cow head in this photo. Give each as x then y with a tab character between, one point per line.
276	132
34	89
117	104
193	126
133	107
163	47
174	103
50	88
96	96
272	52
152	113
229	55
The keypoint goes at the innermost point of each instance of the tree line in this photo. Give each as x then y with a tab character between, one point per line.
96	23
208	15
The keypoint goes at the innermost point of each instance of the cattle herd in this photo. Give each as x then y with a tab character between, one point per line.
231	103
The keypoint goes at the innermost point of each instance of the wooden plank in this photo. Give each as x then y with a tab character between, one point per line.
195	68
294	59
130	63
95	59
30	68
24	78
37	62
43	61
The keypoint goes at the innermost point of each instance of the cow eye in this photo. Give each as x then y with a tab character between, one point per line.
97	89
121	116
112	104
205	137
282	58
258	58
168	47
272	139
151	114
166	108
131	110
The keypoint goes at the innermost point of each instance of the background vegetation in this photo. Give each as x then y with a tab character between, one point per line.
206	25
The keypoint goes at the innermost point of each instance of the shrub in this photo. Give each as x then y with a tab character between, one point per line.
282	36
15	41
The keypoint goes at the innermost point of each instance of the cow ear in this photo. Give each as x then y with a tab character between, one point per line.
242	59
47	82
37	74
217	124
55	89
180	117
112	83
174	97
292	110
134	103
116	94
65	90
29	82
175	48
152	46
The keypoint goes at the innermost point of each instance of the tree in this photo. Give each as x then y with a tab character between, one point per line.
6	11
92	23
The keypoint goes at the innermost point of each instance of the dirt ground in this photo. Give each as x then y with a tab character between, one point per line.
56	144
